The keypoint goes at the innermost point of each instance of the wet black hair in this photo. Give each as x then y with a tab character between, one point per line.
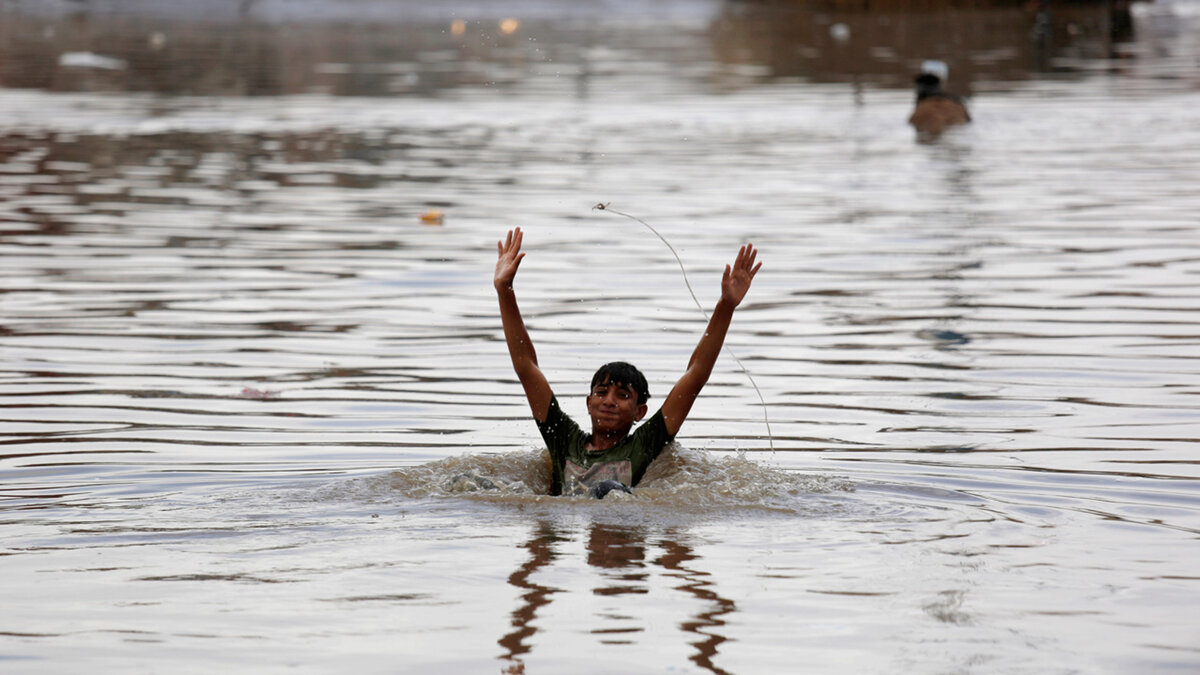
623	374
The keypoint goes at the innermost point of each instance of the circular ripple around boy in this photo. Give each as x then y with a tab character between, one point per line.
610	458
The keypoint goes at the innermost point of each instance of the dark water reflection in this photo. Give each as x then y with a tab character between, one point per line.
990	43
533	595
400	53
621	556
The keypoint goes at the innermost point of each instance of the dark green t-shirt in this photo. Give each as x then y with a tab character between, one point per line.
575	468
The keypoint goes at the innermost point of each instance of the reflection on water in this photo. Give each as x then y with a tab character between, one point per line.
533	595
619	555
707	625
254	410
390	53
991	43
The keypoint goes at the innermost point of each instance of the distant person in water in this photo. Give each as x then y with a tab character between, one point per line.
610	457
935	109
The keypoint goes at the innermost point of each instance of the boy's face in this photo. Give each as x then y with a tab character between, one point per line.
614	408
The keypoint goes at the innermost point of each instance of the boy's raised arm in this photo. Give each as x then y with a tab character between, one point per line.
735	282
520	348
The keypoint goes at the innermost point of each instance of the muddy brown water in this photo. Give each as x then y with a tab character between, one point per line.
239	375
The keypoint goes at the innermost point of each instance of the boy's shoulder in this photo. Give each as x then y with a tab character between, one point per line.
558	429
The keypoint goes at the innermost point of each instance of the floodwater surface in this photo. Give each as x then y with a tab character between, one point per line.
257	414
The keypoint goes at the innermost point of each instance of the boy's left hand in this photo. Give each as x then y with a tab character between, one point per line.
735	282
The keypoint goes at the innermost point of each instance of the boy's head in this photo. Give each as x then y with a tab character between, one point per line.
617	399
621	374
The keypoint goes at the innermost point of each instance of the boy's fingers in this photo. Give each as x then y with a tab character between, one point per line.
745	256
511	241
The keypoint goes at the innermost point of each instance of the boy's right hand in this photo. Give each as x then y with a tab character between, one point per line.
509	260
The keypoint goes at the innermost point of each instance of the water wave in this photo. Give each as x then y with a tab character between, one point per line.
681	479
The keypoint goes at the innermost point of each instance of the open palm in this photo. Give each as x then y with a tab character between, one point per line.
735	282
509	259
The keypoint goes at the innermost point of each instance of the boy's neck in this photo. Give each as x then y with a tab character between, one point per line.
600	442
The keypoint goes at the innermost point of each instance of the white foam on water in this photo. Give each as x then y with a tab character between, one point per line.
683	480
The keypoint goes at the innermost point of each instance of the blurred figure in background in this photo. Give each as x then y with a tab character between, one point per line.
936	110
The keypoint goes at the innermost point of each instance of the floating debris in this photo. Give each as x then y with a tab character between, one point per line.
433	217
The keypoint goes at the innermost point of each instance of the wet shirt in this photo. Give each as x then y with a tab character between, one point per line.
575	468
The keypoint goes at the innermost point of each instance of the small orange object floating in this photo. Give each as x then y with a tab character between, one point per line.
432	217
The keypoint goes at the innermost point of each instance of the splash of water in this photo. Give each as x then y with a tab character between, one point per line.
683	480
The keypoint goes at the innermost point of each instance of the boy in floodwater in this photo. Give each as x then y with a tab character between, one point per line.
610	457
